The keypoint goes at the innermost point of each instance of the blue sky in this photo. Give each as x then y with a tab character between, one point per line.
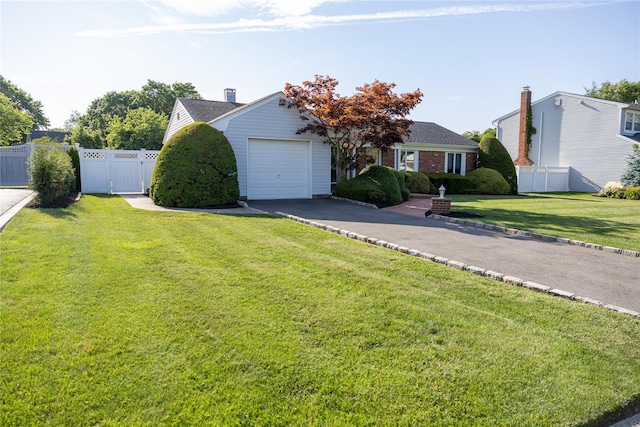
469	58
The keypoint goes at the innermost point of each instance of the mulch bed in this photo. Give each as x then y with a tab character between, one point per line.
454	214
59	203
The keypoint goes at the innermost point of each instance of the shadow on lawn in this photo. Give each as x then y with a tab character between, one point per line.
560	223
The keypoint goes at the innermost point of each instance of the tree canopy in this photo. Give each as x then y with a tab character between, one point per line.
14	122
109	114
623	91
24	102
374	116
476	136
141	128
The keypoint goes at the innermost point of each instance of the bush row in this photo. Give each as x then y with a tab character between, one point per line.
616	190
384	186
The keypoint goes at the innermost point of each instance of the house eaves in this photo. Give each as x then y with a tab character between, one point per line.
620	105
222	122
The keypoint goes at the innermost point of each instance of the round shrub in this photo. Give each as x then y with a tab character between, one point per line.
493	155
632	193
196	168
418	182
613	190
488	181
51	173
375	184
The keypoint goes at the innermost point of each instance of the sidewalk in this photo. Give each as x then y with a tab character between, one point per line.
11	201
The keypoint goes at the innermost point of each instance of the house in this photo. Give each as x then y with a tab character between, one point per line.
276	163
590	138
429	148
273	161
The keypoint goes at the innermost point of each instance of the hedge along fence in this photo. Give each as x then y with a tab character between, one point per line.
52	173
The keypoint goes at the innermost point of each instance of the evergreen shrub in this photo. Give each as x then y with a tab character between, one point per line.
488	181
631	175
632	193
418	182
196	168
75	162
493	155
375	184
454	183
51	173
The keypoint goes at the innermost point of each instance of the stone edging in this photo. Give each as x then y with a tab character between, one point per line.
538	236
460	265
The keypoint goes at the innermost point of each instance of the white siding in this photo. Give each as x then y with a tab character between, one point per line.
578	132
175	123
273	121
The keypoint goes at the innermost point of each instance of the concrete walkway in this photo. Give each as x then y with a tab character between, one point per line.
602	276
11	201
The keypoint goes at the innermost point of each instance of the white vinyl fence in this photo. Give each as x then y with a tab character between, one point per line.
541	179
116	171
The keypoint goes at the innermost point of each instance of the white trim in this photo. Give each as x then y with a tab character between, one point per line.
463	162
221	123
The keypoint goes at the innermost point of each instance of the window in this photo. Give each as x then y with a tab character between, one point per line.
408	161
632	122
455	163
372	156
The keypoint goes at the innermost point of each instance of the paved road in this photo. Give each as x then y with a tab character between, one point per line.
600	275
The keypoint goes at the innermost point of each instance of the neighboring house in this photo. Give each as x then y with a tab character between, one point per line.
57	136
590	137
429	148
273	161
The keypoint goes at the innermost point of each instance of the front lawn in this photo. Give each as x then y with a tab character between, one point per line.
116	316
578	216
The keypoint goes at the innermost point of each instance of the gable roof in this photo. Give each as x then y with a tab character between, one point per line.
434	134
573	95
244	107
202	110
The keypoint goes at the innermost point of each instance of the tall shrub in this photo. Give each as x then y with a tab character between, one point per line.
196	168
493	155
631	175
51	173
75	162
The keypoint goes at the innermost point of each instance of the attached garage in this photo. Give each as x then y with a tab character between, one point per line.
278	169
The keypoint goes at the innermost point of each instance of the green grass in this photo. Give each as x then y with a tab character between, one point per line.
116	316
578	216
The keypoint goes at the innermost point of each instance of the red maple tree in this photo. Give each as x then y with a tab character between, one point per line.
374	116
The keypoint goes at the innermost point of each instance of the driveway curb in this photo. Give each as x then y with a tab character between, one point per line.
493	275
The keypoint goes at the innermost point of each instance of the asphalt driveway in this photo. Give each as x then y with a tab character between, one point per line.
600	275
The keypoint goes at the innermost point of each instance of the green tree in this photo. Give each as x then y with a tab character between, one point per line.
623	91
631	175
141	128
160	97
476	136
24	102
85	138
14	122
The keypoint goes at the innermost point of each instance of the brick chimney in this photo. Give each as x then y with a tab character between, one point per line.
525	108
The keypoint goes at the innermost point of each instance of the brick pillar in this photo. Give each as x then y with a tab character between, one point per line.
440	206
525	108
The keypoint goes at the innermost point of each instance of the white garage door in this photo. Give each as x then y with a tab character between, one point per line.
278	169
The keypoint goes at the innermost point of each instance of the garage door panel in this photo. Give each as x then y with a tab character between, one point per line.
278	169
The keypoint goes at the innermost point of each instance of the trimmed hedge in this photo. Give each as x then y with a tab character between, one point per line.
454	183
196	168
493	155
488	181
379	185
418	182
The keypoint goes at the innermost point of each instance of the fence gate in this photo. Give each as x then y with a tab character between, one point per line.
116	171
14	165
540	179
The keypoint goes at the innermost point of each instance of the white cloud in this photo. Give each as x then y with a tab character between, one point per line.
218	7
293	15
